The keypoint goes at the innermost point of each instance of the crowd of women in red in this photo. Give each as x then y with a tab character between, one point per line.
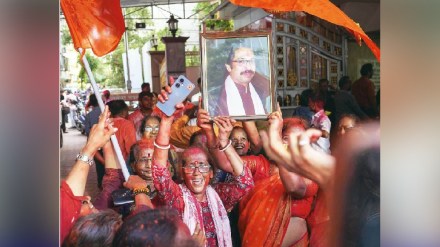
225	182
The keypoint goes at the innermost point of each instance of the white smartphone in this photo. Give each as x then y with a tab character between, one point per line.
181	88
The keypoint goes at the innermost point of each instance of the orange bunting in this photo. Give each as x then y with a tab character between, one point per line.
96	24
323	9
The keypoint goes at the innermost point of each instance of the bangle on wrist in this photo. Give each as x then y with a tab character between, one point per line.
161	147
85	158
223	149
144	190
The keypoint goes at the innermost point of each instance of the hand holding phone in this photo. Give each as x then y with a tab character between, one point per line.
181	88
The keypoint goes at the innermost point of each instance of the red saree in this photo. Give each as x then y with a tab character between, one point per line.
265	214
266	211
318	222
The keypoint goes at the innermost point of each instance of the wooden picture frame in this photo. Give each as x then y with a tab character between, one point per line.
237	74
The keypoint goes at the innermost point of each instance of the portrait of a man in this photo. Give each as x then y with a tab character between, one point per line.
238	82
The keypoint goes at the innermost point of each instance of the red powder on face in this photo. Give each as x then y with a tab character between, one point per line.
193	151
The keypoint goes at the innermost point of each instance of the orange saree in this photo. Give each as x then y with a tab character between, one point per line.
265	214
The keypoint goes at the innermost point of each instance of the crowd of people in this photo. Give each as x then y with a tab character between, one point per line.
284	181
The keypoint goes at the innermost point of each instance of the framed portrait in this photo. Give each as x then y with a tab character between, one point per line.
237	74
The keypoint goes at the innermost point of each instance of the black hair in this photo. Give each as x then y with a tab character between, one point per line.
116	107
92	100
316	97
145	84
351	116
96	229
304	98
323	80
366	69
344	80
143	94
231	55
155	228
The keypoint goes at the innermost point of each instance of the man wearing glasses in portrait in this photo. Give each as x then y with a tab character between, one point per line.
240	95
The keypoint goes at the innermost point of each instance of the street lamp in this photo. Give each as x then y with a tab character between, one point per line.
153	42
172	25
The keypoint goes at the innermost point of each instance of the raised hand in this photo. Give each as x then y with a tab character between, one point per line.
225	125
163	96
203	118
99	135
275	120
315	165
101	132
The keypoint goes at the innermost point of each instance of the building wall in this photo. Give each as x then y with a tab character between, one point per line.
358	55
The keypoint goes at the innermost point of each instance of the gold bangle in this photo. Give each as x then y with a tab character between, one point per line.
138	191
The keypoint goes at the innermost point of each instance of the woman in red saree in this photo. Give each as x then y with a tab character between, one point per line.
274	212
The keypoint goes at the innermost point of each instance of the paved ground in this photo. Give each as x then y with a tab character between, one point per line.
73	141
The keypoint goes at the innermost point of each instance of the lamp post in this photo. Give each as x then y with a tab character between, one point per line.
153	42
172	25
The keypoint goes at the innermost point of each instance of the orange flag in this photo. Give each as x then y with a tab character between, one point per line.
323	9
96	24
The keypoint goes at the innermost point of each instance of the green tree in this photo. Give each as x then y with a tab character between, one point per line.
136	39
66	39
115	76
204	8
193	60
220	25
95	65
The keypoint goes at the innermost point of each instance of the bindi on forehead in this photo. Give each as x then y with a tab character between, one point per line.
146	152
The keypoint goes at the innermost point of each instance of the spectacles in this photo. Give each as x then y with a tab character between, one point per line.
191	168
151	129
244	61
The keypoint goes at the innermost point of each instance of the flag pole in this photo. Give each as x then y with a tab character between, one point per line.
113	138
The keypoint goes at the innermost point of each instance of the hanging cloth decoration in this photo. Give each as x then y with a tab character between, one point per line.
323	9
